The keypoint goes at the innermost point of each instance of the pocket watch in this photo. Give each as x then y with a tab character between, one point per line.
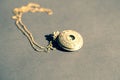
69	40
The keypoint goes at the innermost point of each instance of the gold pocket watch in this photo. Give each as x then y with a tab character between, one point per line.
68	40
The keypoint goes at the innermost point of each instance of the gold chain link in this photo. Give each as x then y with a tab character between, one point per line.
18	13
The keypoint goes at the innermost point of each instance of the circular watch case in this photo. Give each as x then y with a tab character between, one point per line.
70	40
